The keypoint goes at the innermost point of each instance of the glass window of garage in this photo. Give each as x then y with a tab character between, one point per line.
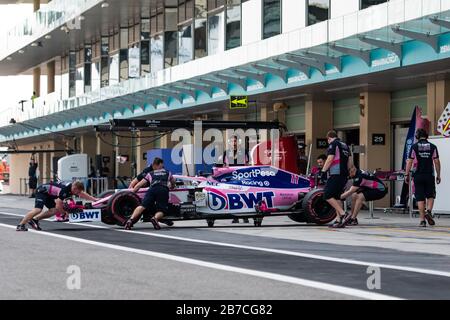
233	24
368	3
318	11
271	18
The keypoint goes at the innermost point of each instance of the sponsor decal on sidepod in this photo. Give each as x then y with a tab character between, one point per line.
238	201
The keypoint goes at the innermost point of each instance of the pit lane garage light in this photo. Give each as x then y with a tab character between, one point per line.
48	37
9	58
105	5
21	51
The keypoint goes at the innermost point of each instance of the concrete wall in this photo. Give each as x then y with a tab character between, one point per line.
251	21
318	121
377	110
293	15
343	7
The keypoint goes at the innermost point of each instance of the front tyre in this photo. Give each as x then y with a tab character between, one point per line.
317	209
122	204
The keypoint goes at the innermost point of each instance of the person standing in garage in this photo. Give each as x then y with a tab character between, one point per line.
423	161
32	177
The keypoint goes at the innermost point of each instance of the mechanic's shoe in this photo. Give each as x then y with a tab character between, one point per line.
423	224
429	218
21	227
155	224
246	220
352	222
35	224
168	223
338	225
129	224
347	217
235	220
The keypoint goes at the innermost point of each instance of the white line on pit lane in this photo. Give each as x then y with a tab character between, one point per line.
267	275
278	251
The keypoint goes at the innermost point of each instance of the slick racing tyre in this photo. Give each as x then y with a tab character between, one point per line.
121	206
316	209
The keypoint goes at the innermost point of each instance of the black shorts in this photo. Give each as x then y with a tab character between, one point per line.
335	187
157	199
425	187
32	183
44	199
372	194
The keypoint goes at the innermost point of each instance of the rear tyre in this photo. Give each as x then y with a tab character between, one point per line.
121	206
317	209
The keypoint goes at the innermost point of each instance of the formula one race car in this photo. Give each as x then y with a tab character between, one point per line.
240	192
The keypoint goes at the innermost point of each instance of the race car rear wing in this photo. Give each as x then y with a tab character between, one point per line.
161	125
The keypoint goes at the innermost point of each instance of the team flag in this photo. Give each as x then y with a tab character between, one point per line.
444	122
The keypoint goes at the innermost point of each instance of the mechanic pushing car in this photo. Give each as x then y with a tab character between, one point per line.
339	161
52	196
157	197
366	187
141	176
423	160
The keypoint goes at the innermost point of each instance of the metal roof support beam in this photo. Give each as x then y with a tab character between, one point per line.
390	46
282	73
222	85
187	91
312	63
200	87
242	82
293	65
440	22
431	40
260	77
363	55
162	92
334	61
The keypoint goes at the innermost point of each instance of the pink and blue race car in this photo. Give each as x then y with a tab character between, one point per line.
236	192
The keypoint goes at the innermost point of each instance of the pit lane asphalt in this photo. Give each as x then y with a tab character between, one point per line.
396	283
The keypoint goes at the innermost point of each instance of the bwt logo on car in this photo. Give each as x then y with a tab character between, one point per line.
86	215
255	173
238	201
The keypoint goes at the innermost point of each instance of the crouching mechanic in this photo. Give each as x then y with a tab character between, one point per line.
366	187
52	196
157	197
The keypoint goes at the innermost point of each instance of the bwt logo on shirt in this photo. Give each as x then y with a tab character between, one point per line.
86	215
255	173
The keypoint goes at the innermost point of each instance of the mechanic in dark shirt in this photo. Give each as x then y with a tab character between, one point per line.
236	157
423	161
141	176
32	177
52	196
366	187
157	197
338	162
